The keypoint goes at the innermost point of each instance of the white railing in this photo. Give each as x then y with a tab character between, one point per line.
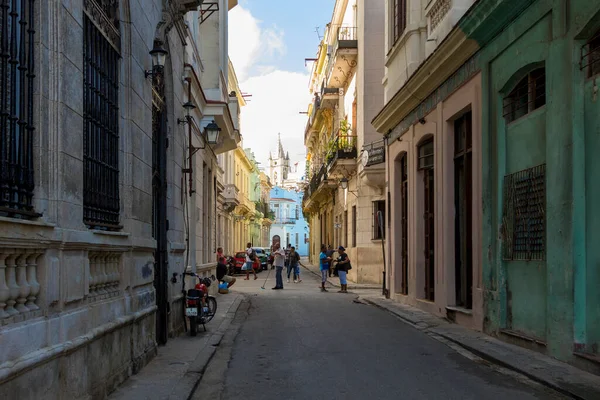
19	287
105	275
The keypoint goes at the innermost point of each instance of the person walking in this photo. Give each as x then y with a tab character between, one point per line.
278	261
329	254
250	259
343	266
324	263
294	265
222	269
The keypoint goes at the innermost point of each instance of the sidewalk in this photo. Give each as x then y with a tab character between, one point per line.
179	365
333	281
550	372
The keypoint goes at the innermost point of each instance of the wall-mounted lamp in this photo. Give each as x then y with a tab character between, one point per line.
159	56
344	185
210	135
189	106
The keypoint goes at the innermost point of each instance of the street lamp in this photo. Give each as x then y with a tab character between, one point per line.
344	183
159	56
212	132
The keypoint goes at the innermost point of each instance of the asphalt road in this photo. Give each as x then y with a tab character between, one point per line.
299	343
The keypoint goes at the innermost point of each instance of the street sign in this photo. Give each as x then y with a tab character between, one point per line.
376	156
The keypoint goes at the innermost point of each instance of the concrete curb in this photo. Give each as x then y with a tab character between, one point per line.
189	381
551	373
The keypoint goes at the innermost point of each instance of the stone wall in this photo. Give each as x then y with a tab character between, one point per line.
77	305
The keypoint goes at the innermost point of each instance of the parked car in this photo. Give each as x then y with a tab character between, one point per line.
240	260
262	256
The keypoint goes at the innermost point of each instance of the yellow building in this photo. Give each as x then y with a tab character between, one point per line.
244	214
345	173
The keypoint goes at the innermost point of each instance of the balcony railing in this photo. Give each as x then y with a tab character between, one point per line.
342	147
287	220
345	38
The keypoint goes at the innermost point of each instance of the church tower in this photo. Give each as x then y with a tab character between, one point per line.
279	167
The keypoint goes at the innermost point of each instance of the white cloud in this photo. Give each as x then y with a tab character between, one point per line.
277	96
275	105
250	43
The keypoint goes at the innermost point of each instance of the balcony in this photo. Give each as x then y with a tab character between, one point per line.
231	195
317	190
286	220
343	55
341	156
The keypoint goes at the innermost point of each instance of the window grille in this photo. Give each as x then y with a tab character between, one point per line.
590	56
378	205
158	151
17	75
399	21
524	215
353	226
528	95
101	125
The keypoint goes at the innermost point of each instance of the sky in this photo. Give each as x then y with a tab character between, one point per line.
268	42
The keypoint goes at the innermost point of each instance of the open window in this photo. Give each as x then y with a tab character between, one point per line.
590	56
528	95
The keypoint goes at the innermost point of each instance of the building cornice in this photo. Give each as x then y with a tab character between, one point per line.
448	57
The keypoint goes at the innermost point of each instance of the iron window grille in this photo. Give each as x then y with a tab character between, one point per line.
378	205
590	56
17	129
399	18
528	95
353	226
524	215
101	123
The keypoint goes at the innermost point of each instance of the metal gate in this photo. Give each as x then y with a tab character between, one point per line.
404	225
159	204
429	223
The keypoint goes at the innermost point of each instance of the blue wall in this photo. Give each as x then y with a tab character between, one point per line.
284	204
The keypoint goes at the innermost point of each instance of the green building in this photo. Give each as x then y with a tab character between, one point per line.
540	70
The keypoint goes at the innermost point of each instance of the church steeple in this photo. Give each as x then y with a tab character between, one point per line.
281	154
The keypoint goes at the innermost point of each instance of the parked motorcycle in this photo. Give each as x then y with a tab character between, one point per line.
230	266
200	307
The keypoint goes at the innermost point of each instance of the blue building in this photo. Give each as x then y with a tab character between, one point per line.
289	222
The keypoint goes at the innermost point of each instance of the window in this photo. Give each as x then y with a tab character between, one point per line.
297	239
345	228
399	19
426	155
590	56
463	188
297	212
17	30
378	225
353	226
425	165
287	238
159	156
101	116
528	95
523	215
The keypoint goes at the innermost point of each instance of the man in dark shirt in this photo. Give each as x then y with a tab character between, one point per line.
222	269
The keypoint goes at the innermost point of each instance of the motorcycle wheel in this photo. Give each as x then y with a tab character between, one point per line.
211	303
193	326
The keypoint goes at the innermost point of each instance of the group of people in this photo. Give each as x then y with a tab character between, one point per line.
290	259
342	267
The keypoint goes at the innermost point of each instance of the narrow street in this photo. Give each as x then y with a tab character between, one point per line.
299	343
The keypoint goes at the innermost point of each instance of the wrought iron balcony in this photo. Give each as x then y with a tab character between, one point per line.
341	155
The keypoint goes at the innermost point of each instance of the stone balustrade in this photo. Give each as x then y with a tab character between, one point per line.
105	274
19	287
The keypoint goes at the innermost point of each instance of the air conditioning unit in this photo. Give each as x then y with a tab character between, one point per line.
190	5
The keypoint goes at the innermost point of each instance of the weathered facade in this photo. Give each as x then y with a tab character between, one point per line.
92	160
346	85
525	73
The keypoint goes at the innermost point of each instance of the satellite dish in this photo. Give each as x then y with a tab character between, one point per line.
365	158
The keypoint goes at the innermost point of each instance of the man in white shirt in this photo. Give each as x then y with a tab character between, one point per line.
250	258
279	262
